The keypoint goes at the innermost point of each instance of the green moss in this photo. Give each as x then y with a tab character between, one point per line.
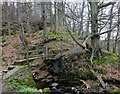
22	67
101	71
86	56
108	59
114	90
13	84
46	90
15	72
99	61
16	45
4	59
14	33
26	41
27	81
6	43
113	58
82	73
52	34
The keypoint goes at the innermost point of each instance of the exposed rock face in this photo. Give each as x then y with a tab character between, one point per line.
60	64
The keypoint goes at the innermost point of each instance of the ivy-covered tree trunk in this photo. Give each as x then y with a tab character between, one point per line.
94	28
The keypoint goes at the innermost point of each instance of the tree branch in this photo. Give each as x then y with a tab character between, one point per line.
108	30
105	5
69	31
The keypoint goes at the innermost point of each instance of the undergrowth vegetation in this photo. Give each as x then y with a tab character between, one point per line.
105	59
108	59
13	84
51	34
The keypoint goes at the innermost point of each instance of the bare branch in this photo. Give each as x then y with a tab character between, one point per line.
104	24
105	5
81	45
108	30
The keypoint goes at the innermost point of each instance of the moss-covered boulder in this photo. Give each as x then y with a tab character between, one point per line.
27	81
21	74
46	91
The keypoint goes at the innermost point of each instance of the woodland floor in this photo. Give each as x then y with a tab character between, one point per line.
12	45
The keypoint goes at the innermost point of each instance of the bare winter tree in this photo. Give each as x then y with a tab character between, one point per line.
51	16
118	29
81	17
109	33
44	17
55	17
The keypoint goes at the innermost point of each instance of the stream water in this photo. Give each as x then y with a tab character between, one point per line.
69	87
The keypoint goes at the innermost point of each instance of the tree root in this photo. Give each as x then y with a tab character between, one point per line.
87	85
96	74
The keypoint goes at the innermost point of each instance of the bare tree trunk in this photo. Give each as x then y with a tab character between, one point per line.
81	21
4	11
12	11
8	23
73	21
29	13
21	29
55	17
51	17
109	33
87	27
44	17
63	12
28	25
8	20
118	32
58	13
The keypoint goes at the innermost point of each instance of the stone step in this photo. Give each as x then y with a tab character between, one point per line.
54	84
11	67
5	71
